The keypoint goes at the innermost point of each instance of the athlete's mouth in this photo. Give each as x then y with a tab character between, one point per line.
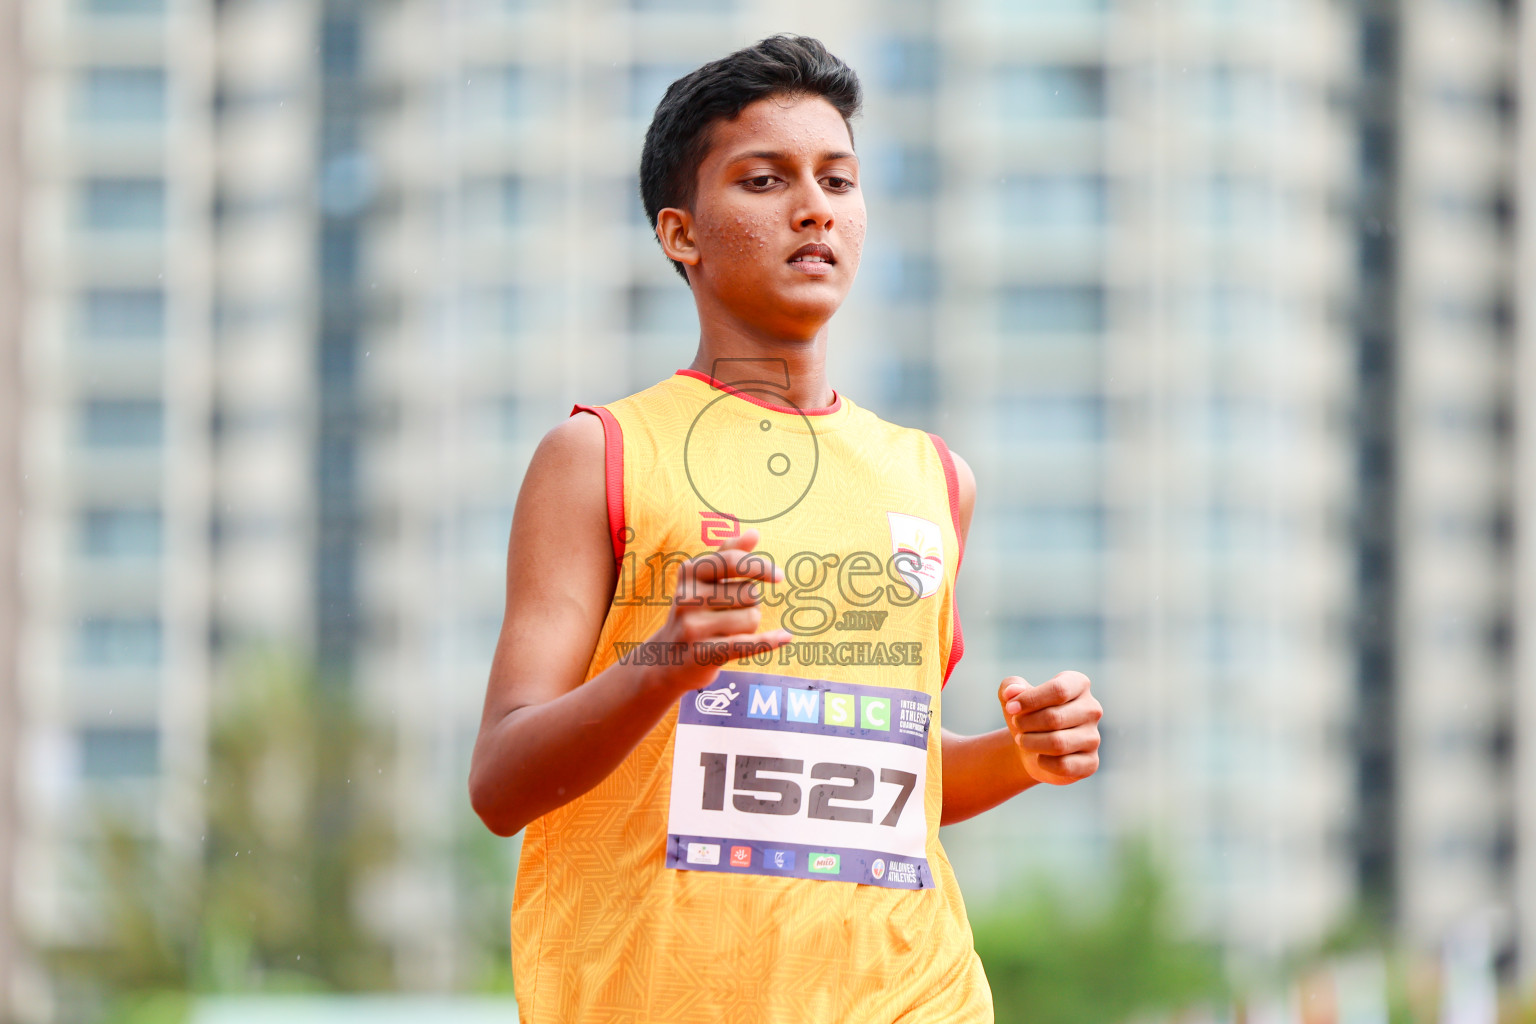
813	252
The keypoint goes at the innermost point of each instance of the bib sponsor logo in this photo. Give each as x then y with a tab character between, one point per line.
703	853
826	863
803	705
902	872
877	869
741	856
875	713
839	709
917	545
716	702
781	860
763	701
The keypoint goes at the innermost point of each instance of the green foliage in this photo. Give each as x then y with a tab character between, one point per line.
1049	963
297	815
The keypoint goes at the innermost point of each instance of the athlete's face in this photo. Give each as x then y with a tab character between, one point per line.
777	225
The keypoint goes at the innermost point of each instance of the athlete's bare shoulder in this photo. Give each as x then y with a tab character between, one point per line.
967	481
561	519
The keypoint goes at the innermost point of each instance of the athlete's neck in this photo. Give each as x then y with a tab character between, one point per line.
731	354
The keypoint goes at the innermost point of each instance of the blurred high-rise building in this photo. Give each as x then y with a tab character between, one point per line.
306	281
1438	397
114	188
1138	343
12	293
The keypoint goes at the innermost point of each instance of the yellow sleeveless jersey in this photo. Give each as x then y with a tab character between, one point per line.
770	851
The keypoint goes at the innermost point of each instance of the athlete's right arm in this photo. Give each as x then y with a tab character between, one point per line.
545	736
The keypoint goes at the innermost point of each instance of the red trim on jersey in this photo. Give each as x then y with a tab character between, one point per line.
837	400
613	473
952	483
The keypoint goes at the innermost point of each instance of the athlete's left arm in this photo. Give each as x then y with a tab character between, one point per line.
1052	733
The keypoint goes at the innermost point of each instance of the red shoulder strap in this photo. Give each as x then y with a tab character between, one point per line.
613	473
952	483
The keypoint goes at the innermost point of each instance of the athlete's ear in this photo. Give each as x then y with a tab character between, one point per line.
674	228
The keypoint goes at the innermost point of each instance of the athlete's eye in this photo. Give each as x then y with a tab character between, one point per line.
762	181
838	184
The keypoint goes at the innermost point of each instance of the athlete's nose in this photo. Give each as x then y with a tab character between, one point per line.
815	211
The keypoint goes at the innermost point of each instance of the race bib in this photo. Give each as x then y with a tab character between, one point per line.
801	778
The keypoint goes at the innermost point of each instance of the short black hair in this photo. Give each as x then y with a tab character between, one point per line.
679	136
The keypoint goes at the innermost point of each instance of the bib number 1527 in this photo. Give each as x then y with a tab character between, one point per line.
847	794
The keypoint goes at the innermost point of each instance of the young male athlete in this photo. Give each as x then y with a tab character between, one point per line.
715	702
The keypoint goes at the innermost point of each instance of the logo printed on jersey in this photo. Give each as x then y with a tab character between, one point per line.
718	527
919	545
741	856
802	705
717	702
826	863
839	709
875	713
764	701
878	868
703	853
782	860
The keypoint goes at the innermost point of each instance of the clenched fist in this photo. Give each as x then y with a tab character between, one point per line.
1055	726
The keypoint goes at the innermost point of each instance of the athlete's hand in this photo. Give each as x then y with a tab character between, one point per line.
716	602
1055	725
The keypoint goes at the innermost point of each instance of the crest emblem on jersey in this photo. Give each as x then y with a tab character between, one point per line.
718	527
922	545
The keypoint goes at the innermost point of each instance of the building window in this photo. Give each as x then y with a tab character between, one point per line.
1053	309
684	6
910	171
1228	642
119	753
1232	313
1039	92
662	309
1224	202
1069	638
120	642
1226	96
1055	200
910	65
648	83
119	7
123	94
121	532
123	423
128	314
1051	418
1075	529
124	204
